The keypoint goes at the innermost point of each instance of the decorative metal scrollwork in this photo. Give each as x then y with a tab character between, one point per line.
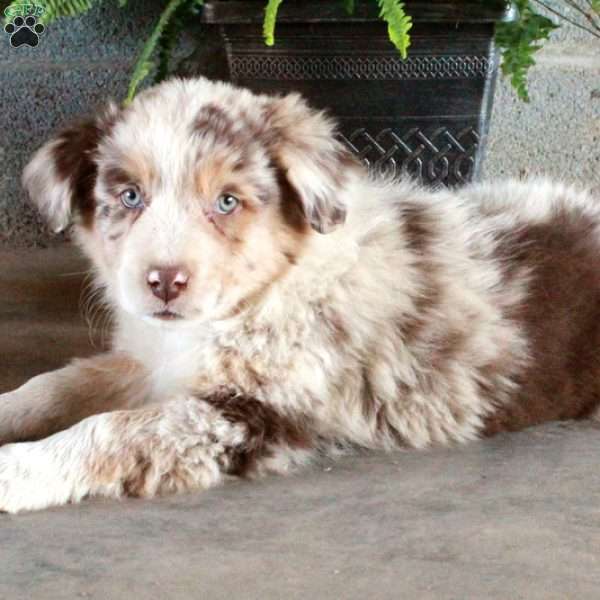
335	67
440	157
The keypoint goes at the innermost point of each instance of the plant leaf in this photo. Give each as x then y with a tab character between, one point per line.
195	6
519	41
54	9
144	65
168	38
398	22
350	5
269	21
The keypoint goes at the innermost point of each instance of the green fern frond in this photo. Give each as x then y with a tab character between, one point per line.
398	22
144	65
169	37
519	42
269	21
349	5
54	9
195	6
166	43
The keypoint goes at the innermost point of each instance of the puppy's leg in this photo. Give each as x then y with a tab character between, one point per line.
183	444
54	401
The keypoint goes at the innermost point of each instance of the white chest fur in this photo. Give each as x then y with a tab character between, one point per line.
170	353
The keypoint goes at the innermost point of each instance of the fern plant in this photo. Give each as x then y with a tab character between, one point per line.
269	21
398	23
518	40
161	41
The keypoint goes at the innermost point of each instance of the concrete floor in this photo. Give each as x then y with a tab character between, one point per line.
514	517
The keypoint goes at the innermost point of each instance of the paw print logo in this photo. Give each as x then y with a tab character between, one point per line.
24	31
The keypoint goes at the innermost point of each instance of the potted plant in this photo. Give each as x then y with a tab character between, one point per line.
426	112
411	83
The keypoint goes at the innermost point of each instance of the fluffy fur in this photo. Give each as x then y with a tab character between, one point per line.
329	309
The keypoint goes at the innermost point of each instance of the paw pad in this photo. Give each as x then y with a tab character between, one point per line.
24	31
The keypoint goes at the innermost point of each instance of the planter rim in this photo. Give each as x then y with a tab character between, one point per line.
331	11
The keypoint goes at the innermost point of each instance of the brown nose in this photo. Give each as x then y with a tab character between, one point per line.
167	283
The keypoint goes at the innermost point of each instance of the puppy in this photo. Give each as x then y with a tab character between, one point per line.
274	303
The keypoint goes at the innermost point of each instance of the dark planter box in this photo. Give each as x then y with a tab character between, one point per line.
427	115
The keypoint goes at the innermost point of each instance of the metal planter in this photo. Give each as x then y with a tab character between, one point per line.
427	115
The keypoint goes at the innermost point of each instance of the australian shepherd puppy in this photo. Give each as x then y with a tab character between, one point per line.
274	303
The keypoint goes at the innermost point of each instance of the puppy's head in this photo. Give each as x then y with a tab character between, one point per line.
193	200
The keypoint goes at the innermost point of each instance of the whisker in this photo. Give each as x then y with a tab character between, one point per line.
74	273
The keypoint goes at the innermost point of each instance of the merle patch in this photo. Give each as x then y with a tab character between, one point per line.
24	31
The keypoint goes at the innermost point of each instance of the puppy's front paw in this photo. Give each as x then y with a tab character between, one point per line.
26	483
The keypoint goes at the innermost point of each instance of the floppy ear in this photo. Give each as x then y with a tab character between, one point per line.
61	175
316	166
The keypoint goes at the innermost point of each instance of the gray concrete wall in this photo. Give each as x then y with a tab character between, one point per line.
79	62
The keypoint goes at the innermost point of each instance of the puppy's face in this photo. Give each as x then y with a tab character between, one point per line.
196	198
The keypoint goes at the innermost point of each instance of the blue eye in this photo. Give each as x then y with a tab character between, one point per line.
132	198
226	204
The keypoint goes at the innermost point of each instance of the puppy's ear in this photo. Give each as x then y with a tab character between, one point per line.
313	163
61	175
